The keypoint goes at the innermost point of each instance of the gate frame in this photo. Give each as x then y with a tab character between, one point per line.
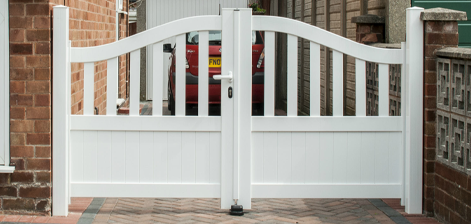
241	125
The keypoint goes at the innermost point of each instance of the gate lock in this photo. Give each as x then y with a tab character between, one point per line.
229	92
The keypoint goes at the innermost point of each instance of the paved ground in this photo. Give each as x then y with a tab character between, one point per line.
139	210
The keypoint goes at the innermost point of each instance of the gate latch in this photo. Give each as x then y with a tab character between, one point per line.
229	92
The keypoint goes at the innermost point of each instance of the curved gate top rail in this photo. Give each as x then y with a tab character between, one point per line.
140	40
263	23
328	39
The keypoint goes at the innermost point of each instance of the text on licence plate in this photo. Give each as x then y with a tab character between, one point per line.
214	62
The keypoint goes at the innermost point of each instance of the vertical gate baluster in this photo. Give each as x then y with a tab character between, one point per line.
337	85
269	85
203	52
292	76
88	88
315	79
135	83
360	87
111	86
383	91
158	78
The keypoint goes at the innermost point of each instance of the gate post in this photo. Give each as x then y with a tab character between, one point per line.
244	106
60	111
414	109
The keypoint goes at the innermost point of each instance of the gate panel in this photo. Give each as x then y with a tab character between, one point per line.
326	158
105	158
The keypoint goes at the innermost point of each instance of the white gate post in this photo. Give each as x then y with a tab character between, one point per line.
227	109
414	110
61	110
243	91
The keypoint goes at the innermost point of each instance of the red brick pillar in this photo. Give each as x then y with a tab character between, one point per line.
370	29
441	30
28	189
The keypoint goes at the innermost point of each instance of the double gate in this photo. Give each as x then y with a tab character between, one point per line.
236	155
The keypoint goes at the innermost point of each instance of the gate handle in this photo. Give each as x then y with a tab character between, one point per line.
220	77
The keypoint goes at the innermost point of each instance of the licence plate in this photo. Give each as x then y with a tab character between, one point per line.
214	62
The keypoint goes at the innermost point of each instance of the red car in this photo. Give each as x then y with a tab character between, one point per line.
214	69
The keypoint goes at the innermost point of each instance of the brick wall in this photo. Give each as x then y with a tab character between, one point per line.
92	23
29	187
437	35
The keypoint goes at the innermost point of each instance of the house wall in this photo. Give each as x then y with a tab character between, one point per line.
338	21
28	189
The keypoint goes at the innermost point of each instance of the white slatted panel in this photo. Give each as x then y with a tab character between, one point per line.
269	85
88	88
118	156
338	158
145	157
315	79
292	74
326	156
132	157
90	156
312	157
203	75
354	158
269	157
395	146
135	82
188	157
381	157
111	86
157	78
215	157
368	158
180	79
160	157
360	87
284	157
202	157
76	152
337	86
103	156
383	91
174	156
298	157
257	157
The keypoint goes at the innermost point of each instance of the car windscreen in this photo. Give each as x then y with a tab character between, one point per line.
192	38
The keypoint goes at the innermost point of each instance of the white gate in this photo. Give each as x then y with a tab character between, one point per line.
235	155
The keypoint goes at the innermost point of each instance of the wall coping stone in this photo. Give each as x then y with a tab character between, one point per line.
368	19
455	52
442	14
386	45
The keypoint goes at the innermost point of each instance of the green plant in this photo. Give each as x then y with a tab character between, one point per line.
256	7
